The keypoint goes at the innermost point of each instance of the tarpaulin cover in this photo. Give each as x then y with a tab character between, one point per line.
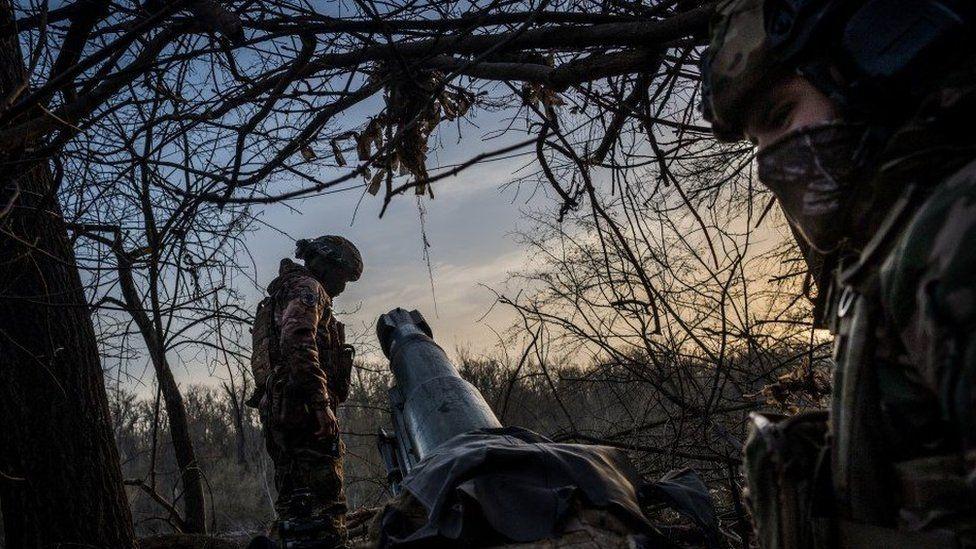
515	485
684	491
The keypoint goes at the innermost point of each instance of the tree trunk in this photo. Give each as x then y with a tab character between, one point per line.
194	505
239	428
60	481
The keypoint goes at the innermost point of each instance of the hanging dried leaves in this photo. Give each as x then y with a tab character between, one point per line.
415	104
374	183
539	95
337	153
413	115
394	143
371	136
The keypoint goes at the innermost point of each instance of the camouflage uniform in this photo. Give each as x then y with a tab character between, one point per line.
894	463
903	409
301	362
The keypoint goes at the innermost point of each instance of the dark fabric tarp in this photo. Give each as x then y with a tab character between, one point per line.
684	491
517	486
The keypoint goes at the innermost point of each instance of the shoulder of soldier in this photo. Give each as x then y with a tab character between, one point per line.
933	263
306	288
296	282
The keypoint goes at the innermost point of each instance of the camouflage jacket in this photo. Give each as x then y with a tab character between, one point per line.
301	339
903	412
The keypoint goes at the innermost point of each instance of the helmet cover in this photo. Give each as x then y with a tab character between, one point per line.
735	63
337	250
753	42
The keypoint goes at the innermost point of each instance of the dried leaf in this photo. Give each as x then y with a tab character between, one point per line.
373	133
362	146
449	106
528	94
552	98
374	130
337	153
374	184
465	100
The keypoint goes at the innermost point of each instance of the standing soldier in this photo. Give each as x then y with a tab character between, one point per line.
862	112
302	365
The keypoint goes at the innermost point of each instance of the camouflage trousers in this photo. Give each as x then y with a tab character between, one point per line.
311	503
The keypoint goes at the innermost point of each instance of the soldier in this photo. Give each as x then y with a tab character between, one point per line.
302	365
861	113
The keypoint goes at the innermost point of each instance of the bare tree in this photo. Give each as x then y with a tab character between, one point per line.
210	104
667	276
59	468
169	264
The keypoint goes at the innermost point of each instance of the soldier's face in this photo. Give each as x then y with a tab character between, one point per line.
334	285
332	280
808	158
790	104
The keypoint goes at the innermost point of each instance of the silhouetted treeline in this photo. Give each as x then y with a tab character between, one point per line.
577	403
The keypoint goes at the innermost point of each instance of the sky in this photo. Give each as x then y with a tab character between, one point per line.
470	226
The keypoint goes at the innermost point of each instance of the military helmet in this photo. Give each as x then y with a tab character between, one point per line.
337	250
732	67
872	58
753	42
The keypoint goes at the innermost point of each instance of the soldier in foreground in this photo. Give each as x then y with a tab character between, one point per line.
862	116
302	367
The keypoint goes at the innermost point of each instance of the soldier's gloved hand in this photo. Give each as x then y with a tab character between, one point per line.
328	425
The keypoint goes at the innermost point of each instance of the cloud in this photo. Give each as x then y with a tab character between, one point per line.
468	225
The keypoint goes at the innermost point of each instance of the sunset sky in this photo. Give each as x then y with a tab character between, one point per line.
469	225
